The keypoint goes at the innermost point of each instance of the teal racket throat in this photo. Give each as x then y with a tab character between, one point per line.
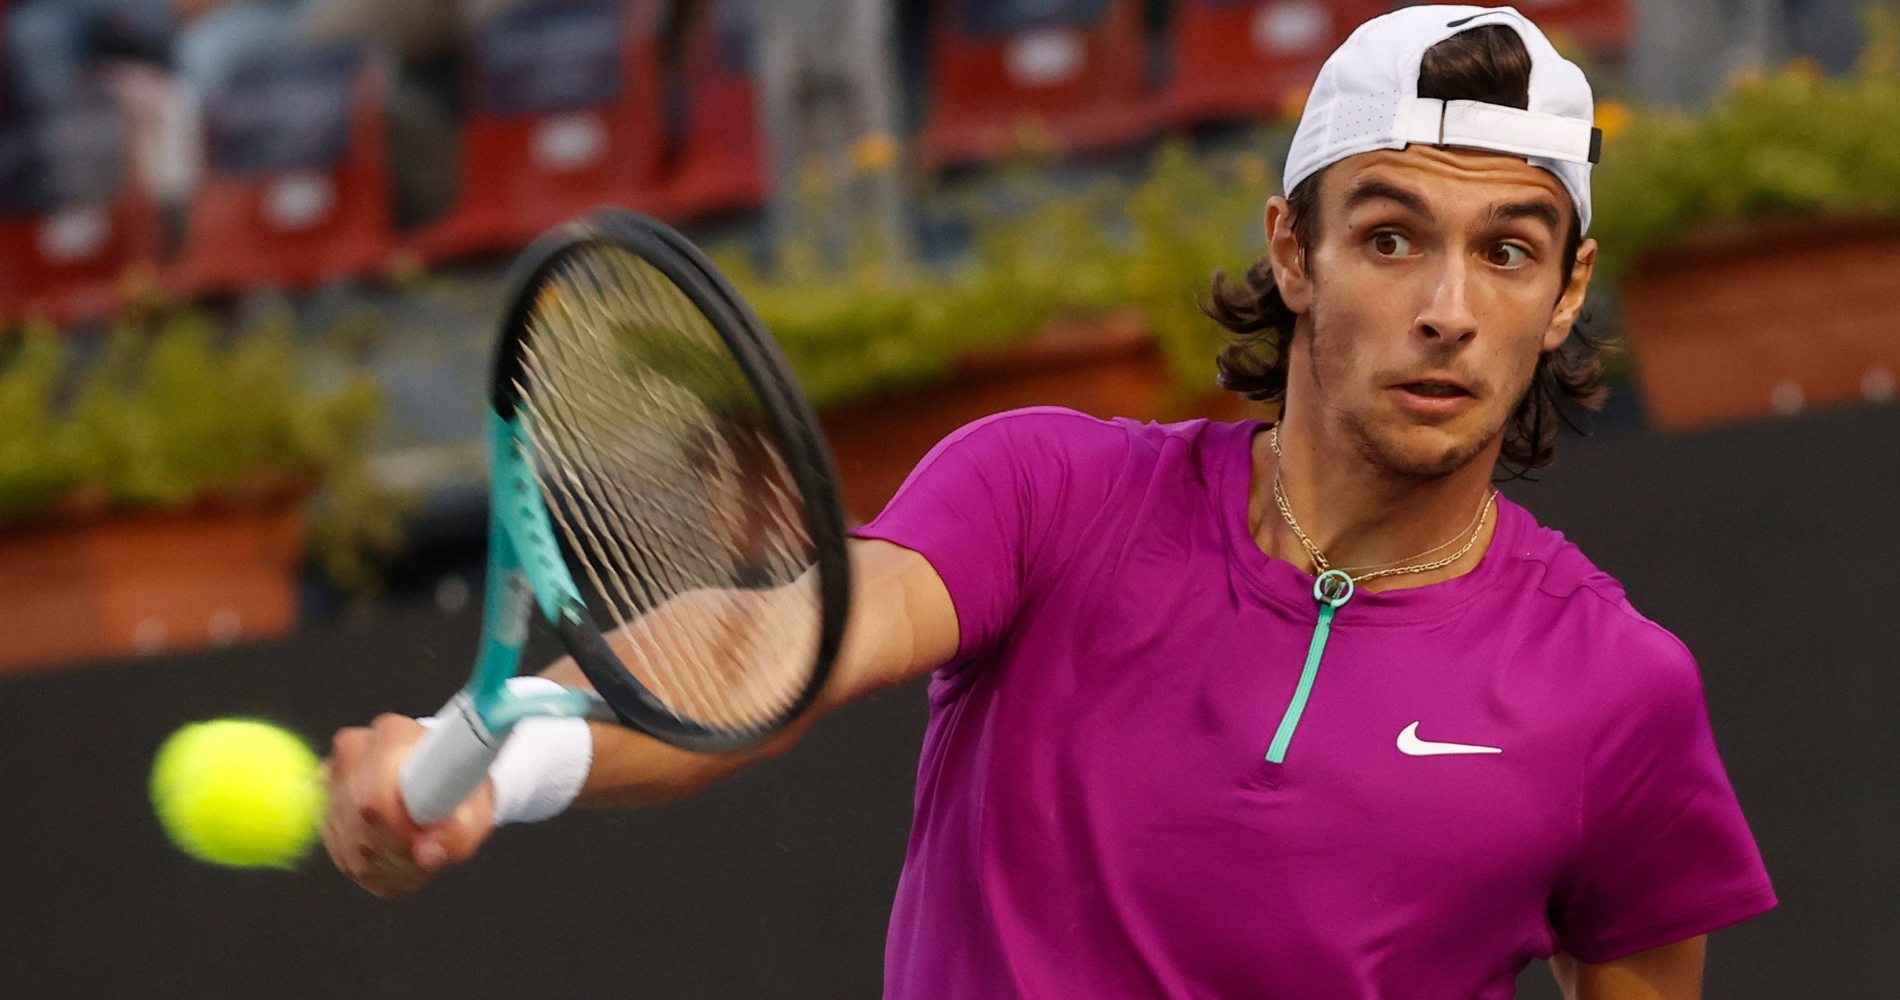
525	569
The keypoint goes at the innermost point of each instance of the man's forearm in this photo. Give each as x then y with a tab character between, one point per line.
1671	972
902	623
696	626
631	768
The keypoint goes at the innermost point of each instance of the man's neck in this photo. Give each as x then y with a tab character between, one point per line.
1360	516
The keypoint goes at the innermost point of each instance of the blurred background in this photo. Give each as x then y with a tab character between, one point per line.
251	264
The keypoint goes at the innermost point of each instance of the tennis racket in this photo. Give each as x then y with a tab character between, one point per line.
660	498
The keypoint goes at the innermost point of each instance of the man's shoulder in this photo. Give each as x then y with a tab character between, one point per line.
1559	568
1059	433
1061	421
1588	602
1053	423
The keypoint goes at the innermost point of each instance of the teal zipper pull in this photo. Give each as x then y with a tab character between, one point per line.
1332	590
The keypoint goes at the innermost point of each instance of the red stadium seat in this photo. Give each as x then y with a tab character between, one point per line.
721	162
565	115
1075	67
73	222
1253	59
296	188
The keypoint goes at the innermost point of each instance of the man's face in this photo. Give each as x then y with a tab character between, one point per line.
1434	282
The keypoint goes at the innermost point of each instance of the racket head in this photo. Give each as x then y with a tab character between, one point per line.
682	372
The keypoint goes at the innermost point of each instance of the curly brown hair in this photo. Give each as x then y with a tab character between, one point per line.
1488	64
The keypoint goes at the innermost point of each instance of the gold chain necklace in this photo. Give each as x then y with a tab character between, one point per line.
1476	528
1476	518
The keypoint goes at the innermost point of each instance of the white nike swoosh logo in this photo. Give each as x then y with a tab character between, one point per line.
1412	746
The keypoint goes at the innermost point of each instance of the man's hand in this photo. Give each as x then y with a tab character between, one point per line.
368	831
902	624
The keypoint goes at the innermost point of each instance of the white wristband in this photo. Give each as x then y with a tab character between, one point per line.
541	768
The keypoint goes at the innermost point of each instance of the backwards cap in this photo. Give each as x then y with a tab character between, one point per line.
1366	98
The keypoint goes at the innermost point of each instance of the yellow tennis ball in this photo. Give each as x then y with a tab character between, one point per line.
238	792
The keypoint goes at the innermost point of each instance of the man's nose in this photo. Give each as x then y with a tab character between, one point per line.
1448	317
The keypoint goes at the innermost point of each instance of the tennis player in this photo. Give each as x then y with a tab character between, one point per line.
1300	711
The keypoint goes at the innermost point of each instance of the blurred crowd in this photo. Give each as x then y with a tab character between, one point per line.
115	114
93	84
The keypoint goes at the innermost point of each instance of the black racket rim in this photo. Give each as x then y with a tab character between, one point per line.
792	420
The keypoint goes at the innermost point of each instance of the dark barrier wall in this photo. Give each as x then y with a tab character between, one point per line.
1770	549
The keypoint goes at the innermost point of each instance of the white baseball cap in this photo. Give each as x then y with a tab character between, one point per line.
1366	98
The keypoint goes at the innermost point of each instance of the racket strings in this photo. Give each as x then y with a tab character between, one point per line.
659	653
617	568
786	526
726	480
661	474
623	560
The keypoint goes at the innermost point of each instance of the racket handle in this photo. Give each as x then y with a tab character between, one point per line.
450	763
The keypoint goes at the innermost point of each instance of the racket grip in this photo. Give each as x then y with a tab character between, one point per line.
449	764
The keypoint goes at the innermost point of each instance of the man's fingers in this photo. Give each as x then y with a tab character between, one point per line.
431	854
366	830
375	781
457	838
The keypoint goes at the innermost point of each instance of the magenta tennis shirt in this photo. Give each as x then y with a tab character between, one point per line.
1487	769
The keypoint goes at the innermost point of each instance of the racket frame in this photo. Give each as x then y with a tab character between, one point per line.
527	574
525	526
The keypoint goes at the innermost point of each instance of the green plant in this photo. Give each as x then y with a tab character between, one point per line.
33	471
1039	254
1190	218
170	419
870	327
1794	142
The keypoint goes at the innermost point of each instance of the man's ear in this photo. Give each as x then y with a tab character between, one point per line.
1570	302
1287	257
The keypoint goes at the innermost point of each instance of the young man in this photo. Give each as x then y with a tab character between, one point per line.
1163	758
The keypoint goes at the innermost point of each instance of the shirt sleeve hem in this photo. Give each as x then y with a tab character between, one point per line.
1723	912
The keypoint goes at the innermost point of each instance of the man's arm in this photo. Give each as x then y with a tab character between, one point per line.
1671	972
902	625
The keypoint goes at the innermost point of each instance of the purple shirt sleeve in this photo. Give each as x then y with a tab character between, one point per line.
1665	853
994	505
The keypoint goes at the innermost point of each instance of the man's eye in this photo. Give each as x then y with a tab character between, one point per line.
1503	255
1390	244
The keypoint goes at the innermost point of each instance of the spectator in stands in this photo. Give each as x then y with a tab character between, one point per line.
216	37
52	46
46	44
210	40
428	37
682	19
422	32
81	78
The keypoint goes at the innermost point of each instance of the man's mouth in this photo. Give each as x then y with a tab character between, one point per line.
1436	389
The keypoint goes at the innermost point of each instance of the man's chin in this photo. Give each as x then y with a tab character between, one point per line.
1426	452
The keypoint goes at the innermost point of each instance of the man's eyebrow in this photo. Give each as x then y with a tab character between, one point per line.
1377	190
1541	211
1373	189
